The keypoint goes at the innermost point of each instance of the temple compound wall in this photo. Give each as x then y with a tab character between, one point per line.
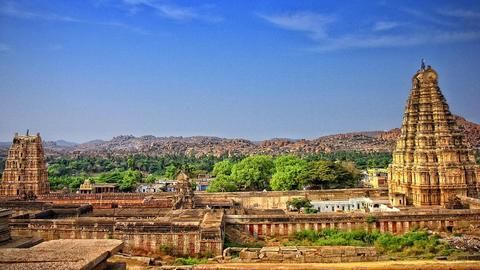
393	222
248	200
179	235
110	200
278	199
295	254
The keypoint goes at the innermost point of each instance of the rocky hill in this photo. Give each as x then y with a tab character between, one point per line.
372	141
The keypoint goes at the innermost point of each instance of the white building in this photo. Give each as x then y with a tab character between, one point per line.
158	186
362	204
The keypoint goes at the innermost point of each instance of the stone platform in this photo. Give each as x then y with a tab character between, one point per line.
61	254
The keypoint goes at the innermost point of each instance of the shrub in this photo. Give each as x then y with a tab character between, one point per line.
371	219
189	261
167	249
310	211
298	203
415	243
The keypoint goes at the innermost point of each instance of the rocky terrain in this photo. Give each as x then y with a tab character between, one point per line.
373	141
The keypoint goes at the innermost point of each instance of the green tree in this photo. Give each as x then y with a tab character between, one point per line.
298	203
323	173
223	167
129	180
253	172
151	178
131	163
222	183
291	173
329	174
171	171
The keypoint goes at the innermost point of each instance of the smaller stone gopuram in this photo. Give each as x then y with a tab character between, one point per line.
183	193
25	171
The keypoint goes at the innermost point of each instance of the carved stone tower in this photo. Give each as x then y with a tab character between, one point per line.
25	171
183	193
431	161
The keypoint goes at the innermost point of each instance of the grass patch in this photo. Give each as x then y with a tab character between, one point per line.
414	243
190	261
229	243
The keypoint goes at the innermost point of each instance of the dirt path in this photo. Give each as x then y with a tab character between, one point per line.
383	265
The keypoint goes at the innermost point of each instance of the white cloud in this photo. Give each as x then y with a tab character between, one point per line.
459	13
312	23
430	29
11	10
422	16
396	41
173	12
384	25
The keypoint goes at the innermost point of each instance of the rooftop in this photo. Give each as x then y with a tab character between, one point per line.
75	254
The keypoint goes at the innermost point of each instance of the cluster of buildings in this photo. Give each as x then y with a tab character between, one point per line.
362	204
200	183
432	164
432	167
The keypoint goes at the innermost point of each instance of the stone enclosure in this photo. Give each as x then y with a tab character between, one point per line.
311	254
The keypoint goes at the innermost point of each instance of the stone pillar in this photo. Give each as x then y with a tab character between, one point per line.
390	226
406	226
290	228
400	227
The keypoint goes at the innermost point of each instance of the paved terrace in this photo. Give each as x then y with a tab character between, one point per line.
61	254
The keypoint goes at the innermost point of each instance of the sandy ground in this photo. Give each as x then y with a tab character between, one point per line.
133	264
383	265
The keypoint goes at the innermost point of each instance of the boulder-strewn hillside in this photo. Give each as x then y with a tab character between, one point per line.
373	141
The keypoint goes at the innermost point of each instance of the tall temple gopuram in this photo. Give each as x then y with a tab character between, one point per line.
431	161
25	171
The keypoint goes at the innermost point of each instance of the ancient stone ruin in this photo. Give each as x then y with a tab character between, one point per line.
25	173
431	162
183	193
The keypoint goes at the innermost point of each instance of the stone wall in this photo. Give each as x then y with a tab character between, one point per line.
257	200
140	236
278	199
396	222
107	200
4	227
325	254
473	203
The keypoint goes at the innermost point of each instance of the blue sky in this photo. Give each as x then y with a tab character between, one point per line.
82	70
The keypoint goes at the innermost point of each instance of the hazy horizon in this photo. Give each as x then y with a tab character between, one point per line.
85	70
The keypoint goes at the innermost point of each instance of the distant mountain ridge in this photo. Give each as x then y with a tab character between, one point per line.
369	141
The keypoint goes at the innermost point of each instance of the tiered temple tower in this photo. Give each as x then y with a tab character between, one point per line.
431	161
184	196
25	171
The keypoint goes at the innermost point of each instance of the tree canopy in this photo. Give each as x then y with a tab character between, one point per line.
257	172
253	172
291	173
